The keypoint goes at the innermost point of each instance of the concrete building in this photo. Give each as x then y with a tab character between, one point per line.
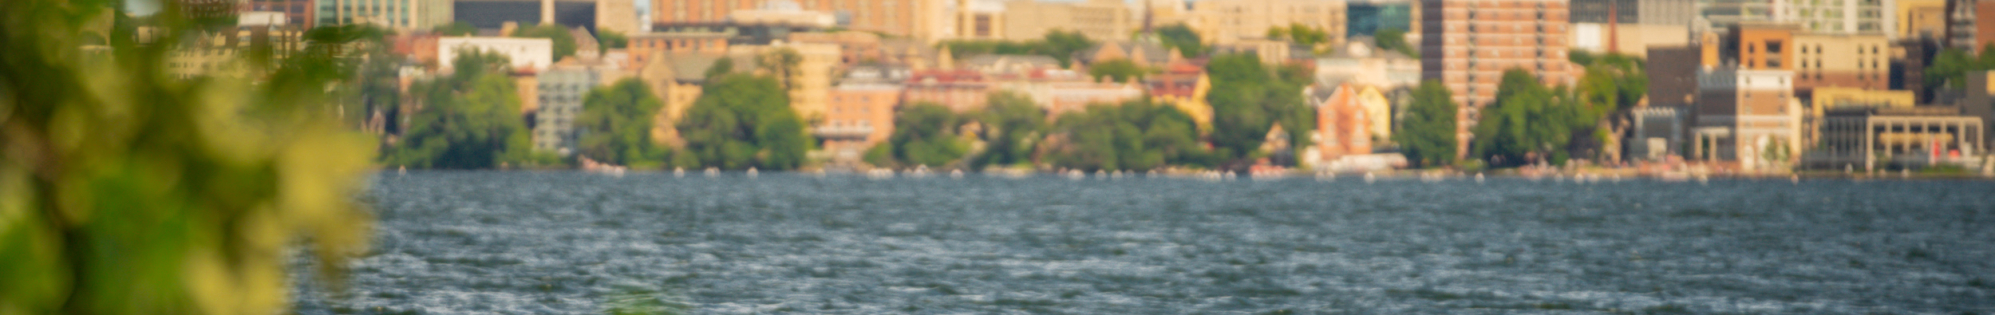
1361	64
1829	99
1143	53
1746	116
1059	91
1920	18
562	89
782	12
1965	29
1227	21
961	91
1467	44
1667	12
925	20
589	14
979	20
1657	133
1009	65
1721	15
1368	17
860	116
1887	138
1628	39
527	54
1099	20
402	15
854	48
1979	101
221	52
810	84
1606	11
1849	17
296	12
1852	61
706	38
619	16
1673	75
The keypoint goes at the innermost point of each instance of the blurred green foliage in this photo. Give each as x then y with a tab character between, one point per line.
612	39
615	125
1248	100
926	134
564	41
1059	44
1135	135
1426	133
1300	35
458	28
1183	39
1951	66
1012	126
126	191
1120	70
470	119
1394	39
743	121
1529	122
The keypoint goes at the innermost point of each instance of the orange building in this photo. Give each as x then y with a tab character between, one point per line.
858	117
1343	126
960	90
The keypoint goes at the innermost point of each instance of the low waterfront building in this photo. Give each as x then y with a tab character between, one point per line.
1746	116
1874	138
859	116
1827	99
1657	132
1343	124
959	90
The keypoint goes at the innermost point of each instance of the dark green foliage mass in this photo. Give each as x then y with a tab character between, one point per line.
1120	70
743	121
1247	101
612	39
1395	39
1528	123
468	120
1135	136
1013	126
1950	67
1426	134
615	125
925	134
459	28
1182	38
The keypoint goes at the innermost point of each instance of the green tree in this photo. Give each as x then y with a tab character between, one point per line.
1183	39
1614	84
458	28
613	39
743	121
1121	70
1013	125
721	67
1247	100
1135	135
1528	123
1395	39
126	191
1950	67
564	41
1299	34
615	125
783	63
1426	134
925	134
469	120
1061	45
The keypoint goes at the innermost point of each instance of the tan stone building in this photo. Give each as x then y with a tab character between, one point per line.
1468	44
859	116
1099	20
810	85
979	20
1921	18
854	48
1851	61
1226	21
1627	38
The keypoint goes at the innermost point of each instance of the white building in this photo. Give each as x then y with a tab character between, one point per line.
1364	65
1859	17
526	53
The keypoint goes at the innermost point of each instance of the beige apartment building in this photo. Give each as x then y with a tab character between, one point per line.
1099	20
1866	17
1849	61
860	116
1468	44
1227	21
1921	18
925	20
1746	116
979	19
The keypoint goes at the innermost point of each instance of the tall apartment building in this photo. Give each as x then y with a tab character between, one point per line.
922	19
1965	28
1099	20
1865	17
1720	15
1920	18
1666	12
1598	11
561	91
1228	21
979	19
1467	44
296	12
393	14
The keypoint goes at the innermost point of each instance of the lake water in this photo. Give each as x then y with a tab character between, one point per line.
566	243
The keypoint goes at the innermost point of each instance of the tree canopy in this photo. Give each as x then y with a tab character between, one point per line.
615	125
1951	66
1182	38
1012	127
1247	100
458	28
612	39
469	120
743	121
1528	123
1426	134
1394	39
1135	135
1301	35
1059	44
925	134
1120	70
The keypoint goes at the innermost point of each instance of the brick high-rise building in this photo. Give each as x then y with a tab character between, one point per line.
1965	29
1467	44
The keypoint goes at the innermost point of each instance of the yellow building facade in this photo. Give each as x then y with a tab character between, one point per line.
1227	21
1099	20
